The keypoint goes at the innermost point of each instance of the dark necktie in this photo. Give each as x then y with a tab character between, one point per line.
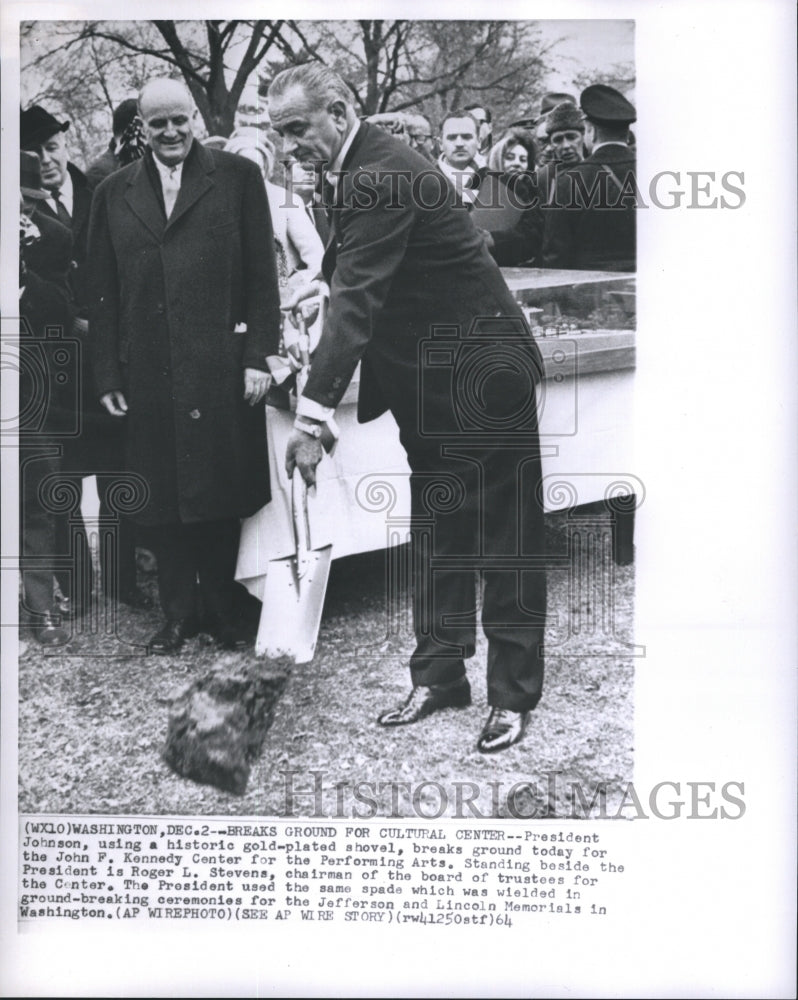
63	215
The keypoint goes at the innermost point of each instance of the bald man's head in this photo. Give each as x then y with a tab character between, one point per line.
167	111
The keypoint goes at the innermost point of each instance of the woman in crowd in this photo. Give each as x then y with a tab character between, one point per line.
299	246
514	153
518	239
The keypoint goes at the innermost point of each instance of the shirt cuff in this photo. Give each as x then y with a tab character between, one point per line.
315	411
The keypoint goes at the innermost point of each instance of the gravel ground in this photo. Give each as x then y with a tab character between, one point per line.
93	718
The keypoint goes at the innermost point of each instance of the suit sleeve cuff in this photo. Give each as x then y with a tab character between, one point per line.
313	410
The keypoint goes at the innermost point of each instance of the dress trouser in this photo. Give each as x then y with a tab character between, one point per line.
478	510
119	568
37	535
197	560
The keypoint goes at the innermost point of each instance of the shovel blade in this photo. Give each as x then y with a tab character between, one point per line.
292	607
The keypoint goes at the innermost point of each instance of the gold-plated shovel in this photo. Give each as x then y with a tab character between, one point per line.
293	597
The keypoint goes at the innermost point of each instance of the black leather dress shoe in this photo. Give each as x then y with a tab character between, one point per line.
172	636
136	598
47	630
423	701
503	728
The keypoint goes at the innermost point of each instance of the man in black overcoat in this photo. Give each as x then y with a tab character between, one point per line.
417	299
184	311
591	225
48	385
97	448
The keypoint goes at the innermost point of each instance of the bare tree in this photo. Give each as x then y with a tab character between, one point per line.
81	69
85	59
621	76
427	65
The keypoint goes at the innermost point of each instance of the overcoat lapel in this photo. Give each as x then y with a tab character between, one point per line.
142	198
195	182
197	179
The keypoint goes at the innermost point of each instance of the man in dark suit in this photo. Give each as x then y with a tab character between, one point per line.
47	403
96	449
184	310
591	224
404	259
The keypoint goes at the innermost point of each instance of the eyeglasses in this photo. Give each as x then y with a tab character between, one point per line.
419	138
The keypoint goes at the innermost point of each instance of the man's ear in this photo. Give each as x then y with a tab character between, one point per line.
337	109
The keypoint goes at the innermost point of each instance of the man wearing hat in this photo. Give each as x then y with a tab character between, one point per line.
536	124
49	255
591	223
564	128
46	394
96	450
69	192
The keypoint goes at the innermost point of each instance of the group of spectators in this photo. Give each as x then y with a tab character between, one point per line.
556	190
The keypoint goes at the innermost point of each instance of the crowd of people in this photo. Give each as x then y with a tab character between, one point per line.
170	264
529	193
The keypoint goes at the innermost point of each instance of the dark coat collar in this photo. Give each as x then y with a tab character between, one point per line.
144	195
612	152
361	137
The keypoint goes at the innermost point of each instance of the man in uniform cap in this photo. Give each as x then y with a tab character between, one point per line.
591	224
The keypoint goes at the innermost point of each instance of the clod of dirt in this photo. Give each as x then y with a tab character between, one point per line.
218	724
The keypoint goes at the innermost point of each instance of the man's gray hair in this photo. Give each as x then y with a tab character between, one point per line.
321	84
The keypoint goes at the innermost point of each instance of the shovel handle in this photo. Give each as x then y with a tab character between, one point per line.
300	520
304	339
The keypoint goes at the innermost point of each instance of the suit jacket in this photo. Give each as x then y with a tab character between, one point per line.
82	192
168	301
594	232
403	258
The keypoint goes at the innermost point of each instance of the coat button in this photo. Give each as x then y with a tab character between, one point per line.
195	414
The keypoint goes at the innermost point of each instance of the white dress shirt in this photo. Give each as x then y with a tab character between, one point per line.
170	183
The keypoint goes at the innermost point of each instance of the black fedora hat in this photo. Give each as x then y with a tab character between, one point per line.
37	125
30	176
